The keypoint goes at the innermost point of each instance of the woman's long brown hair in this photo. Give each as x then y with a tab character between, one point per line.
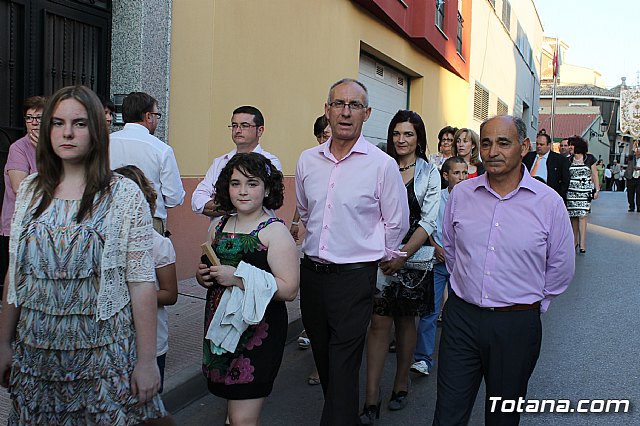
96	164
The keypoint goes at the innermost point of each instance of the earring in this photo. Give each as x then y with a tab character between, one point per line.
266	194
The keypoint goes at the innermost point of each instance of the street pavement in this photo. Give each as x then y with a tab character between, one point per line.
590	347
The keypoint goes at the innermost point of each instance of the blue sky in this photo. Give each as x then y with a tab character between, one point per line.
601	34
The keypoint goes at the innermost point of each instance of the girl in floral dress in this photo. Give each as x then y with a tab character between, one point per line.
77	333
249	183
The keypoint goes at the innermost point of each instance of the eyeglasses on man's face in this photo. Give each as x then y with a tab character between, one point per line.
157	114
241	126
353	106
32	118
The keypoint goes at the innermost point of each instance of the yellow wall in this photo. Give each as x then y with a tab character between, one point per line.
282	56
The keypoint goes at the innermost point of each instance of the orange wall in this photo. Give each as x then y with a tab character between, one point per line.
189	229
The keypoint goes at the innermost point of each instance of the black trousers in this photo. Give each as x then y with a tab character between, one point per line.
336	310
633	193
501	347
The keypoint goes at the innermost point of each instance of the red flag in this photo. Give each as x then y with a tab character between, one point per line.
555	63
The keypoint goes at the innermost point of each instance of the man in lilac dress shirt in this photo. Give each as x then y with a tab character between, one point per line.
509	248
353	204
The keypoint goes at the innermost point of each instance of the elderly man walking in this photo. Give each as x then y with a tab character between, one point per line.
509	248
353	203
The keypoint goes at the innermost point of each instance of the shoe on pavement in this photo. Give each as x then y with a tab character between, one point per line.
420	367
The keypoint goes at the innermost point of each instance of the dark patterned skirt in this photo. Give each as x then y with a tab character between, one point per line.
410	293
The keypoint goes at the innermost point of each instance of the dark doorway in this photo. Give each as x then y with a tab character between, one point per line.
49	44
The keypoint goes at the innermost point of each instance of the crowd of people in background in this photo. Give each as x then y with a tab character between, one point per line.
391	239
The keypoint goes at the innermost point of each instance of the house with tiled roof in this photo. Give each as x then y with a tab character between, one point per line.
586	110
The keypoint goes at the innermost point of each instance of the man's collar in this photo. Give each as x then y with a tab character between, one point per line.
526	182
258	150
361	146
137	127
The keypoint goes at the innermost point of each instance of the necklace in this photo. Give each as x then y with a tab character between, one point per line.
402	169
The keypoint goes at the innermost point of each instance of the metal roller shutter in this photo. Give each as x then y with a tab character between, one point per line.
388	92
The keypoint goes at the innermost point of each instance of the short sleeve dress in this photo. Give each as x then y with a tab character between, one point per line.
250	371
70	368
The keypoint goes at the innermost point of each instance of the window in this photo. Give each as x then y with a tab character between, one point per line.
502	109
506	14
480	103
459	34
440	14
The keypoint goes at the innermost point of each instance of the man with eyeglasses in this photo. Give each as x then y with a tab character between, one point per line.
21	162
135	144
247	126
353	204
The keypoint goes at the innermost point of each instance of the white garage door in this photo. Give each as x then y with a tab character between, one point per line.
388	92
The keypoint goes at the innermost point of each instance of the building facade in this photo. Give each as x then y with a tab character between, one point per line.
506	41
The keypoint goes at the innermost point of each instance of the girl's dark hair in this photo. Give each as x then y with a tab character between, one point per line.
96	163
135	174
256	165
404	116
580	146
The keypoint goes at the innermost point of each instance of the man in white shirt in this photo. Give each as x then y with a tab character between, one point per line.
247	126
135	144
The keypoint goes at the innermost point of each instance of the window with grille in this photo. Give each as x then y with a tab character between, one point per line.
480	103
440	14
459	34
502	109
506	14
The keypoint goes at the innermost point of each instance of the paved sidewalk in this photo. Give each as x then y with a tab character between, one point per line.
184	382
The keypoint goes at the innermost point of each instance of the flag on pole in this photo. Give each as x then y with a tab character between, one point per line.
557	59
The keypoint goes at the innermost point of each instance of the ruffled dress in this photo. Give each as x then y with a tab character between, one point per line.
69	368
250	371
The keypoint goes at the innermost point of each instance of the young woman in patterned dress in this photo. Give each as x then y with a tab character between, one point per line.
77	333
249	183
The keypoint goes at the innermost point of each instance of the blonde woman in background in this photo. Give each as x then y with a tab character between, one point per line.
467	145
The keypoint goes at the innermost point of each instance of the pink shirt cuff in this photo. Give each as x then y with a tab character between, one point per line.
393	254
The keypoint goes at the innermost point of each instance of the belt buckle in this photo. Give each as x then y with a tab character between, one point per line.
321	268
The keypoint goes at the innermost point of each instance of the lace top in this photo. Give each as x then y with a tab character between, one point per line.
127	251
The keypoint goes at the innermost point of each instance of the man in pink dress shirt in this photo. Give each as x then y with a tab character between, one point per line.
353	204
509	248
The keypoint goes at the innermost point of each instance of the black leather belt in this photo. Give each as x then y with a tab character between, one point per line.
515	308
332	268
